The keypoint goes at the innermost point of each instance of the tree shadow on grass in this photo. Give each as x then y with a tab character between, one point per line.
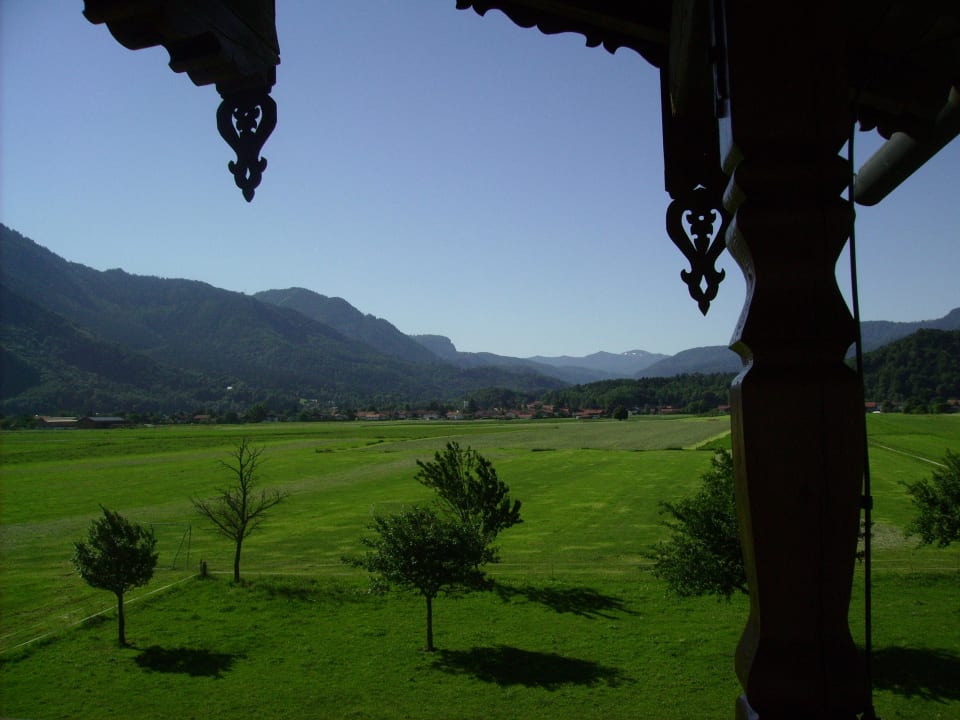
96	620
305	591
185	661
927	673
506	665
583	601
302	592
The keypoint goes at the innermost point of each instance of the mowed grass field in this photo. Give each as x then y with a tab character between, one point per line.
578	627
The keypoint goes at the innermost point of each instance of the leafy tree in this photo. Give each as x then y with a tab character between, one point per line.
422	550
472	495
703	553
620	413
239	509
256	413
919	370
443	548
118	555
937	500
698	407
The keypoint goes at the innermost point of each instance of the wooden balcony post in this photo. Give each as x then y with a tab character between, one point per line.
797	408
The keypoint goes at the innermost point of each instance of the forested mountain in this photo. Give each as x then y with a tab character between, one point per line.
47	363
444	348
385	337
345	318
720	359
78	340
920	371
877	333
589	368
209	338
702	360
693	393
613	365
440	346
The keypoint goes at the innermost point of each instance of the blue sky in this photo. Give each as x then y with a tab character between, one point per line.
453	174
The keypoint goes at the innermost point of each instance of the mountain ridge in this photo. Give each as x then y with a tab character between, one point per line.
293	343
345	318
227	339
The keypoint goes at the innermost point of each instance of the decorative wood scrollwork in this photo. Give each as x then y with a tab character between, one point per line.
701	245
245	121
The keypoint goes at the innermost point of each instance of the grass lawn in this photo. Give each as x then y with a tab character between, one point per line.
576	628
325	648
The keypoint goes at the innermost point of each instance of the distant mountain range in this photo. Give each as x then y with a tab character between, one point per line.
345	318
80	340
386	338
720	359
77	339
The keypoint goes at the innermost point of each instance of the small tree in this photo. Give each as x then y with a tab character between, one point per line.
620	413
703	553
937	500
419	549
472	495
118	555
239	509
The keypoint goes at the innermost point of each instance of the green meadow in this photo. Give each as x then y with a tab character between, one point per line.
576	627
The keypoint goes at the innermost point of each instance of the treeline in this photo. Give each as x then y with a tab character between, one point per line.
919	373
693	393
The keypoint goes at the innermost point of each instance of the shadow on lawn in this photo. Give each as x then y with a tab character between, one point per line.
302	590
186	661
506	665
582	601
927	673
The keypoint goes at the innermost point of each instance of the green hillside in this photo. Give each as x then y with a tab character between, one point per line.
920	372
191	342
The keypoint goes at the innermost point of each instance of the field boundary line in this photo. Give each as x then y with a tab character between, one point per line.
706	441
909	455
97	614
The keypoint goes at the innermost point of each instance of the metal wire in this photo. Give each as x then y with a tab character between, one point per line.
866	499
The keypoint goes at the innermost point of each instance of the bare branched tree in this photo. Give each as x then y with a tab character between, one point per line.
239	509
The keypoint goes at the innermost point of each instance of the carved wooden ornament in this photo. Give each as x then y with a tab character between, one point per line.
702	244
245	121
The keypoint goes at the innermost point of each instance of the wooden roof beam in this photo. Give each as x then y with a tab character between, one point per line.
228	43
903	154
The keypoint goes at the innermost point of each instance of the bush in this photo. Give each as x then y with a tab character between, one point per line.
703	553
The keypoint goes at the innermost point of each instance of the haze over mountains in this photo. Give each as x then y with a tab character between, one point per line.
73	337
383	336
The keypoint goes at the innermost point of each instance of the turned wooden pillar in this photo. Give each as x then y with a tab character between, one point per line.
797	408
